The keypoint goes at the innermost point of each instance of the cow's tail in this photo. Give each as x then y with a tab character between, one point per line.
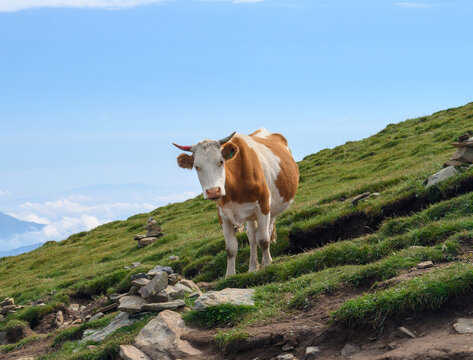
274	234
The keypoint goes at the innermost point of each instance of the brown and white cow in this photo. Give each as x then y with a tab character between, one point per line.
253	179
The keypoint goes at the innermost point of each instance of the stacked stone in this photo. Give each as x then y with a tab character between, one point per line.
7	306
154	232
159	289
464	154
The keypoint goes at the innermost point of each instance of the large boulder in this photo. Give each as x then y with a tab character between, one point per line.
161	338
225	296
122	320
131	304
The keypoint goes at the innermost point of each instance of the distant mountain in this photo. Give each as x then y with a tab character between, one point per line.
10	226
20	250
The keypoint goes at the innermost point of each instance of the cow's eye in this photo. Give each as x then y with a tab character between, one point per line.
221	162
197	168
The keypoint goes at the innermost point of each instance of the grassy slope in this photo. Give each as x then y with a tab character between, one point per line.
394	162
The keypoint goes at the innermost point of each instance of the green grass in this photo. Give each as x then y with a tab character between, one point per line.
394	162
219	315
428	292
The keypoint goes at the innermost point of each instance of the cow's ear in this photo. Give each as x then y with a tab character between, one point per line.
229	151
185	161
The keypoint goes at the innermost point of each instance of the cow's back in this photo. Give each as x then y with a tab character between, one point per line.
281	176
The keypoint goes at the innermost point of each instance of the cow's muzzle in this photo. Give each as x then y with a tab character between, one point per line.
214	193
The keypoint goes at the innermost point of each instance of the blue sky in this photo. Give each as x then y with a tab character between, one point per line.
93	92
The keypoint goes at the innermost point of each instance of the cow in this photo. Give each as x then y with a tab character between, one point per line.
252	178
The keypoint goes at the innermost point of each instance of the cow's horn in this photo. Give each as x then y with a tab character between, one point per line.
224	140
185	148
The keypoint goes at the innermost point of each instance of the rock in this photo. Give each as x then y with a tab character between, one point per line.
129	352
82	308
138	276
225	296
91	347
74	307
120	321
134	290
440	176
349	350
161	338
8	309
159	283
3	338
159	268
139	237
59	318
116	297
135	264
195	294
312	352
127	267
407	332
173	257
147	241
160	297
190	284
139	283
7	301
287	347
108	308
76	322
285	357
464	326
175	304
177	292
425	265
97	316
357	198
173	279
131	304
2	317
392	346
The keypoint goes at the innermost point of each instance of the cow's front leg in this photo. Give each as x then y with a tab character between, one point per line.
263	237
231	245
251	232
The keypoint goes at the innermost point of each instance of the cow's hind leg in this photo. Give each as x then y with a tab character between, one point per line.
251	232
263	237
231	245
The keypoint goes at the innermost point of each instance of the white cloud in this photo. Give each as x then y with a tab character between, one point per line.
16	5
3	193
411	5
75	213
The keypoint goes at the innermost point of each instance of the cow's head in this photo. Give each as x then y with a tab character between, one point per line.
208	158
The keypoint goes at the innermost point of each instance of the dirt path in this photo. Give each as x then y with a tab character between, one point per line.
435	339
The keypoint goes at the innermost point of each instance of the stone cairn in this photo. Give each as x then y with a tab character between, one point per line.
159	289
154	232
464	154
7	306
463	157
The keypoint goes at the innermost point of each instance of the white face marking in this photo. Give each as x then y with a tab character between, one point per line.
209	163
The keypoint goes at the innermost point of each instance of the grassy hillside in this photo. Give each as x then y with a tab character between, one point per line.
324	242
